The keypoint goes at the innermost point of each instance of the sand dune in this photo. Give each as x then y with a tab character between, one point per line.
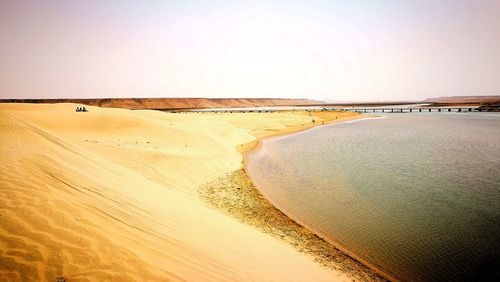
112	195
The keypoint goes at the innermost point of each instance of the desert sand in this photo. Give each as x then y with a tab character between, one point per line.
113	194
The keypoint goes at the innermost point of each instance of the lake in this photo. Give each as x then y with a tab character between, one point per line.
416	195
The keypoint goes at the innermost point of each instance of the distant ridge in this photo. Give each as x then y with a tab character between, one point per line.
174	103
465	99
204	103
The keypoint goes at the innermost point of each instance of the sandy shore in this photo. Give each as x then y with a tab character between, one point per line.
325	250
114	194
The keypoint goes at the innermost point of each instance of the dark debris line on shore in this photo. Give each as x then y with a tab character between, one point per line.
234	194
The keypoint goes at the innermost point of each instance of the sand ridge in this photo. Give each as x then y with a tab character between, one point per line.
112	194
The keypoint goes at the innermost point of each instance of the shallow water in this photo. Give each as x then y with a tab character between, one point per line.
417	195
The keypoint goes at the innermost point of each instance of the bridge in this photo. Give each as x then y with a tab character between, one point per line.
374	109
410	109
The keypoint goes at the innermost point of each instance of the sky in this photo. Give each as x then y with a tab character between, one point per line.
345	50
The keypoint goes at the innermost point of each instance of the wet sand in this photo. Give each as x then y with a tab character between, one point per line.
235	195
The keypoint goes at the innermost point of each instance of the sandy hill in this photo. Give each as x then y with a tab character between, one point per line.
173	103
112	195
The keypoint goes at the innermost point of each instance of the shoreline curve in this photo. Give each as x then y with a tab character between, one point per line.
256	145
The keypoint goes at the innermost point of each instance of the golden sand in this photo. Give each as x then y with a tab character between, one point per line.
114	194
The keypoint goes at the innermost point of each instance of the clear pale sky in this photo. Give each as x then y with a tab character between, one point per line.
336	50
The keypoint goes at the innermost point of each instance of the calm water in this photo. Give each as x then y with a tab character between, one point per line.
417	195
